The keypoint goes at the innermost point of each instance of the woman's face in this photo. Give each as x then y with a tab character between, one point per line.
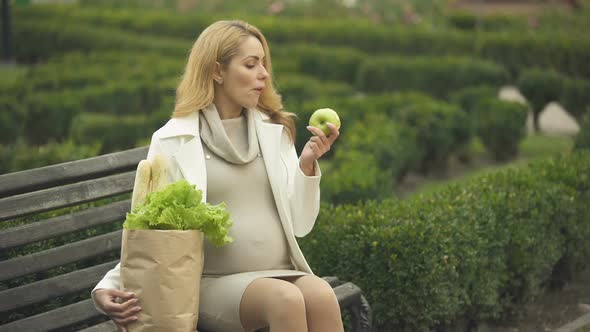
245	76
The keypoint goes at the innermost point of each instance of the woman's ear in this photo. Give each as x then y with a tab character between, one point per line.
218	73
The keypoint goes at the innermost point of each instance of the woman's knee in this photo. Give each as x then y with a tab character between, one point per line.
317	292
287	301
269	299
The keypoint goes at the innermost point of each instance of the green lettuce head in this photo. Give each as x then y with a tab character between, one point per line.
178	207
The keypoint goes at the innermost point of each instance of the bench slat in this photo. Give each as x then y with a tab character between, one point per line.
103	327
50	228
54	319
68	195
74	171
49	288
68	253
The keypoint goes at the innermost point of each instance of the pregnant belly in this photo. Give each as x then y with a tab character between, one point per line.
252	250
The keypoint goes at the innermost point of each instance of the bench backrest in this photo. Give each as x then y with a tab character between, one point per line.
28	201
46	277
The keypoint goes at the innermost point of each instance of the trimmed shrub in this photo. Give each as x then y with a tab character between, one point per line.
469	97
113	133
438	76
12	118
501	126
20	157
575	97
46	38
354	175
440	130
49	116
572	171
583	137
567	54
392	144
295	90
540	87
76	71
334	63
469	22
474	252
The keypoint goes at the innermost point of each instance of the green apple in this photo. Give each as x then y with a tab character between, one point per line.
321	117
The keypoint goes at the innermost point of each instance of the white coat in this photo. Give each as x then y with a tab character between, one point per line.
296	195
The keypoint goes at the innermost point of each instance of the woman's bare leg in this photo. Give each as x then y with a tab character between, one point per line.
275	303
321	304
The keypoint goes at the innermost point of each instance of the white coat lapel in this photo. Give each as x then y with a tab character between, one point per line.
183	136
192	165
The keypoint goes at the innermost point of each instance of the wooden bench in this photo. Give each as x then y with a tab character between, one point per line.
60	233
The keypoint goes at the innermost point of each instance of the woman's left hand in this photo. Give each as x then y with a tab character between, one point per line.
316	147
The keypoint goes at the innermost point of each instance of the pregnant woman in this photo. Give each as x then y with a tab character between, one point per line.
230	136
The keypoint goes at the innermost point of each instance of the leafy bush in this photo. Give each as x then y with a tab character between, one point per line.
298	89
540	87
331	63
45	38
49	116
113	133
438	76
393	145
501	126
40	27
19	156
469	97
575	96
474	252
583	137
12	117
353	175
295	89
440	128
469	22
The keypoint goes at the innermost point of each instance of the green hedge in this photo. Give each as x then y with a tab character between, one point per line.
469	22
438	76
353	175
20	156
49	116
296	90
325	63
501	125
392	144
76	71
441	129
45	38
113	133
583	137
567	54
12	118
540	87
575	96
474	253
469	97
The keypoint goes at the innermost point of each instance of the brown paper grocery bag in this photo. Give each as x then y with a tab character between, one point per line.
163	268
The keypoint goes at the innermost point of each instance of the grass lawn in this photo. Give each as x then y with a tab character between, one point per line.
10	73
531	148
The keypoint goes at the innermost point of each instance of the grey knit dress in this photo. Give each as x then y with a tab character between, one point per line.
236	175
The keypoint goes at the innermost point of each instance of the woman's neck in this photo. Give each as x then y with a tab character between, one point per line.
227	109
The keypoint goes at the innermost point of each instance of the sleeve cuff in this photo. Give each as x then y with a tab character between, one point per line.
317	171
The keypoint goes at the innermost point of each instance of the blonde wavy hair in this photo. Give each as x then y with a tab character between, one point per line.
219	42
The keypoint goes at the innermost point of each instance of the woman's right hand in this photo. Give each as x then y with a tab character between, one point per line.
121	313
